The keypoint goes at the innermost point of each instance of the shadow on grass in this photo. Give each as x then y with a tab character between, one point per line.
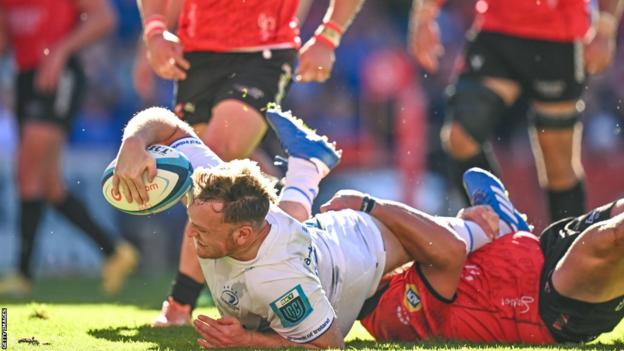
441	345
173	338
184	338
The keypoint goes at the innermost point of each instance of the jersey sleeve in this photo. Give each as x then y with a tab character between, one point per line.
197	152
296	307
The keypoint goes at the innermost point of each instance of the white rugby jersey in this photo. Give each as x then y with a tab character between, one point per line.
302	277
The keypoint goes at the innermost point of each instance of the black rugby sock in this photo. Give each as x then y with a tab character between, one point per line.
31	212
186	290
567	203
484	159
76	211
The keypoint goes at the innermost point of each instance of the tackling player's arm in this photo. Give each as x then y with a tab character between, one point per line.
439	250
154	125
97	19
316	57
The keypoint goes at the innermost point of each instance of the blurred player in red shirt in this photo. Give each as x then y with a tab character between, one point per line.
229	60
541	49
46	36
564	286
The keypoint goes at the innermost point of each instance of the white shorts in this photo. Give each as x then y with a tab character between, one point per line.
363	261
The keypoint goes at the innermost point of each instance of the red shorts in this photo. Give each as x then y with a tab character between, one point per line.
496	300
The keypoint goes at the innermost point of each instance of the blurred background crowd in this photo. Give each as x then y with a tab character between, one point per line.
382	110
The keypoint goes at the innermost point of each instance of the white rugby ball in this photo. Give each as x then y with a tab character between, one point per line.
173	180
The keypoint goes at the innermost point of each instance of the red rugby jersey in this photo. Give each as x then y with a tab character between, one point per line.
230	25
496	301
555	20
37	25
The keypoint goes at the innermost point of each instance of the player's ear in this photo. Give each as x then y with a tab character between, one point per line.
243	234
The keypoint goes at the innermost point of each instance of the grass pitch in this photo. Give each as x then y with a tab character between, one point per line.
73	315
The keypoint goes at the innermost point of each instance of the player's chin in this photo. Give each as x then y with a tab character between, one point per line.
205	252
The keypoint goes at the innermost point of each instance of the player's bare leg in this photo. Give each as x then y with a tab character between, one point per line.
234	130
457	141
32	167
556	142
478	104
593	267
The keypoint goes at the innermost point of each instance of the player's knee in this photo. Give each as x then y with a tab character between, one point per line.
610	243
457	142
473	113
228	149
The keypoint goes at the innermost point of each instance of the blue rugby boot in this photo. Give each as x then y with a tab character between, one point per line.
484	188
300	141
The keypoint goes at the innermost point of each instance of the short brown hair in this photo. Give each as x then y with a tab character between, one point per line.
245	192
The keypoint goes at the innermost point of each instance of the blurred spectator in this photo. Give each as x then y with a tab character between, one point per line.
50	80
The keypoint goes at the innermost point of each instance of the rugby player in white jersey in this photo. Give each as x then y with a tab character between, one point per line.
276	281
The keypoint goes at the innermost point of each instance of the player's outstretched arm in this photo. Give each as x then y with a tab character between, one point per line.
227	332
154	125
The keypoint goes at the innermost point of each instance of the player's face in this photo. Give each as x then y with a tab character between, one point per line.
213	238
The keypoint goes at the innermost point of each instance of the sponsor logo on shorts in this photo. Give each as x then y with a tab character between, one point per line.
254	92
476	62
620	306
412	299
182	108
549	88
561	322
292	307
591	217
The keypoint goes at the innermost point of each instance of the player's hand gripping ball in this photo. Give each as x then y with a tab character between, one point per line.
172	182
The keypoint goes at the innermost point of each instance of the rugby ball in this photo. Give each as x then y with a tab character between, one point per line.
173	180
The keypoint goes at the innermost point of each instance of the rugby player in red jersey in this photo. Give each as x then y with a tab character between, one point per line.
46	36
541	49
229	60
564	286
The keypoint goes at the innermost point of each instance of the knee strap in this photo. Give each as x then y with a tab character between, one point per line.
541	120
476	108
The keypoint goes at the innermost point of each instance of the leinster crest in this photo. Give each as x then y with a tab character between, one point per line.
292	307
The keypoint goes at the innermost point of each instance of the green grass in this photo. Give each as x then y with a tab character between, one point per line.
73	315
